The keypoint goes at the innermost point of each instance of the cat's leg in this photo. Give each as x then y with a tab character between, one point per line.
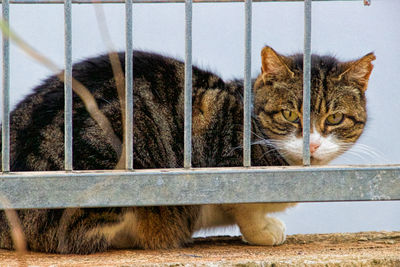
140	227
164	227
256	227
150	228
213	216
76	231
60	230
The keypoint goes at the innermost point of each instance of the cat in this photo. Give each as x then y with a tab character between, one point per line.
338	117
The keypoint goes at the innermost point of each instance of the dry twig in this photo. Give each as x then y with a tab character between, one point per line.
85	95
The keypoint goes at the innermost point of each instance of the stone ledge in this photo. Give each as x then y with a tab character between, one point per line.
355	249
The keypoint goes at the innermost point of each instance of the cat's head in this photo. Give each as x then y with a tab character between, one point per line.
338	105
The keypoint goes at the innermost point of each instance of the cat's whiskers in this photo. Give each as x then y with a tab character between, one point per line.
344	147
358	155
235	148
371	150
282	153
369	155
271	145
263	142
361	151
256	135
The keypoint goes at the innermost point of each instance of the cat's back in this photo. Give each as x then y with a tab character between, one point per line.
37	122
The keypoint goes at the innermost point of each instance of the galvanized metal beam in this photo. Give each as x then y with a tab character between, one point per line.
366	2
247	101
128	127
5	93
187	135
306	82
68	86
199	186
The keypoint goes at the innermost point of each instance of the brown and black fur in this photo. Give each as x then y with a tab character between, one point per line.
37	143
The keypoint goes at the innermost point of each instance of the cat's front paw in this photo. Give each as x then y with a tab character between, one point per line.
267	233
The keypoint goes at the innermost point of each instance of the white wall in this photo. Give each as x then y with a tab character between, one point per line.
347	30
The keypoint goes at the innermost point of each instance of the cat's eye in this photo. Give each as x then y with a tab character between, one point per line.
334	119
290	115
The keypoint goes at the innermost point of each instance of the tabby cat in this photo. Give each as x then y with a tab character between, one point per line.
338	117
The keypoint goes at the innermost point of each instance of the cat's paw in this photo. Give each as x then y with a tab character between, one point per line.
270	232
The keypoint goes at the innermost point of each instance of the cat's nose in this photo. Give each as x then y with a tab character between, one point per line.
314	147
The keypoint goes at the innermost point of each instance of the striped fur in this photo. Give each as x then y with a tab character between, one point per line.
37	145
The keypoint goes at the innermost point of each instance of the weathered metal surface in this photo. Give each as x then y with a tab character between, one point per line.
306	82
128	142
366	2
200	186
5	96
188	86
247	86
68	85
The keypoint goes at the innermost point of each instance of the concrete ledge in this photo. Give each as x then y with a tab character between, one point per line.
356	249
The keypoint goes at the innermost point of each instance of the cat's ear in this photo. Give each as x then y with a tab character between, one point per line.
273	64
359	70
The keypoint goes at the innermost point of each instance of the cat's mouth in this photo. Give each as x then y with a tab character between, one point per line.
299	162
322	149
297	158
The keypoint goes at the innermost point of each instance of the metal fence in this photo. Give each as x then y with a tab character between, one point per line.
188	185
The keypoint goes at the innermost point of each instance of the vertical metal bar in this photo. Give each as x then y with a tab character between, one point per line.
306	82
247	87
5	98
188	86
128	86
68	86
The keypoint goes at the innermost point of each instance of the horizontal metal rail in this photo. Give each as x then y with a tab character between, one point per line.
157	1
200	186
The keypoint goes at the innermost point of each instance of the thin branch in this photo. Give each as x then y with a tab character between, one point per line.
118	76
17	234
84	94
